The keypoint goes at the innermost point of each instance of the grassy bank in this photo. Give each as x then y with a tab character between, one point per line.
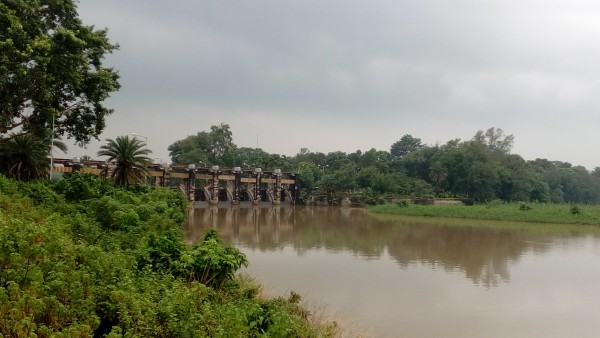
82	258
516	212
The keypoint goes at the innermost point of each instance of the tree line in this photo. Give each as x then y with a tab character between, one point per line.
54	84
479	170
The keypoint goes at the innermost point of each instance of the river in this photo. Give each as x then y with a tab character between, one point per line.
413	277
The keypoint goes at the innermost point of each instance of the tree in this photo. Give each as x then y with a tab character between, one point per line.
495	139
130	157
483	182
214	147
52	72
378	158
221	145
438	173
25	157
190	150
405	145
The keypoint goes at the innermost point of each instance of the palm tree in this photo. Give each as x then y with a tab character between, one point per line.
25	157
130	158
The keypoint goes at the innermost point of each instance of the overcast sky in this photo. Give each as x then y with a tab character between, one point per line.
348	75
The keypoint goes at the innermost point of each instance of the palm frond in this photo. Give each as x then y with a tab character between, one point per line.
130	156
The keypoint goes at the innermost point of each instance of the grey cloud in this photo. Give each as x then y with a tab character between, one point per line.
465	65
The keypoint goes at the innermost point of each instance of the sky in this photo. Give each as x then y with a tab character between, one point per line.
348	75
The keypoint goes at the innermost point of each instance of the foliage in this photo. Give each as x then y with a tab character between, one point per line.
510	211
495	139
130	159
403	203
405	145
51	70
77	186
215	147
478	170
221	144
524	207
65	274
24	157
575	210
161	253
212	262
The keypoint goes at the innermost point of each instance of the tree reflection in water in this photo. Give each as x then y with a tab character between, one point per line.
482	253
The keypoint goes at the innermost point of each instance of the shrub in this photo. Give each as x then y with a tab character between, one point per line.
212	262
575	210
65	273
161	252
524	207
403	203
77	186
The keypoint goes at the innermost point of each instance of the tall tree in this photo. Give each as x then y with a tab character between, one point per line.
405	145
214	147
221	144
191	150
495	139
51	70
131	159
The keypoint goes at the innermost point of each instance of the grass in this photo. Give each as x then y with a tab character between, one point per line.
514	212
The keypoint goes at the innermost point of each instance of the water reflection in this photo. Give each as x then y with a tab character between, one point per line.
482	254
420	277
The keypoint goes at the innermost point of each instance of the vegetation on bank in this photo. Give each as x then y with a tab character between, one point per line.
80	257
480	170
501	211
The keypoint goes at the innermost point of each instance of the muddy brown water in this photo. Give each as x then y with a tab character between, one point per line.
398	277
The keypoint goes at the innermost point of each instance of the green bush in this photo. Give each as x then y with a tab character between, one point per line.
524	207
114	264
212	262
78	187
403	203
160	253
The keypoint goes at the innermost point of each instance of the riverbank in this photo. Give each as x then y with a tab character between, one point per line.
516	212
82	258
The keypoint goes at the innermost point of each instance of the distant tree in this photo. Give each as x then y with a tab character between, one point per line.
405	145
438	173
383	183
211	148
305	155
336	160
420	188
250	157
366	177
495	139
483	182
52	72
191	150
378	158
131	159
344	179
221	146
417	163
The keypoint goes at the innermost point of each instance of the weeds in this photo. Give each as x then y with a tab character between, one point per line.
88	259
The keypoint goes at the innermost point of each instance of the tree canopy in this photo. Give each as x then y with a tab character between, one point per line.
480	169
216	147
51	71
